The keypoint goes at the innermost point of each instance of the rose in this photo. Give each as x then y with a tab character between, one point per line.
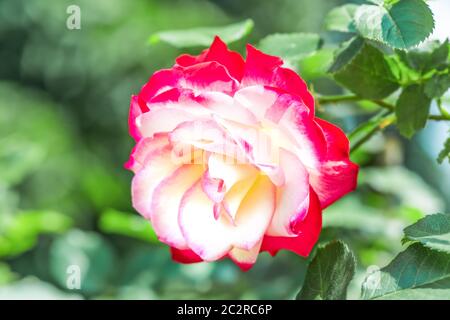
230	159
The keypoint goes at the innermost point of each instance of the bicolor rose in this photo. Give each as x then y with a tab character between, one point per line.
231	160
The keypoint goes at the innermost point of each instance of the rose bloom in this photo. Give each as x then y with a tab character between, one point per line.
230	159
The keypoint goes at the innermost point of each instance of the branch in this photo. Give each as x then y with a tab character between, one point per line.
353	98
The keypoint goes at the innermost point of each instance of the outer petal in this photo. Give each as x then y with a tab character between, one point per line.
337	175
156	167
263	69
245	259
308	141
308	232
166	202
143	148
136	109
293	197
218	52
202	77
161	81
184	256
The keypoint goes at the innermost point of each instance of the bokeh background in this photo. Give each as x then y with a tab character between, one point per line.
65	197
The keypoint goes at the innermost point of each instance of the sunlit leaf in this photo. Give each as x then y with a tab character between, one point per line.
19	232
417	268
203	36
317	64
433	231
127	224
341	18
290	46
402	25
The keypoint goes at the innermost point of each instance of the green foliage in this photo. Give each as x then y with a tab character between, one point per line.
437	86
422	271
402	25
341	18
431	55
417	272
363	69
290	46
412	109
317	64
445	152
19	232
202	37
89	253
329	273
127	224
433	231
367	129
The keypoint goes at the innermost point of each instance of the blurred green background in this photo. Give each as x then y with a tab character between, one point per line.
65	197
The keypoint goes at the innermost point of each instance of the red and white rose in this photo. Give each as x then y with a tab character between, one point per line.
230	159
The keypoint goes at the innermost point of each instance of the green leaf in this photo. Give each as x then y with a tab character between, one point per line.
433	231
203	36
329	273
445	153
412	109
437	86
368	128
86	252
403	25
346	53
416	272
317	64
19	232
341	18
363	69
431	55
290	46
127	224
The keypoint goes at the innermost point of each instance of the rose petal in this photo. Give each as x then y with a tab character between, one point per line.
156	167
166	201
214	189
143	148
218	52
211	239
220	168
236	194
263	69
137	107
308	232
165	118
293	196
337	175
245	259
184	256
